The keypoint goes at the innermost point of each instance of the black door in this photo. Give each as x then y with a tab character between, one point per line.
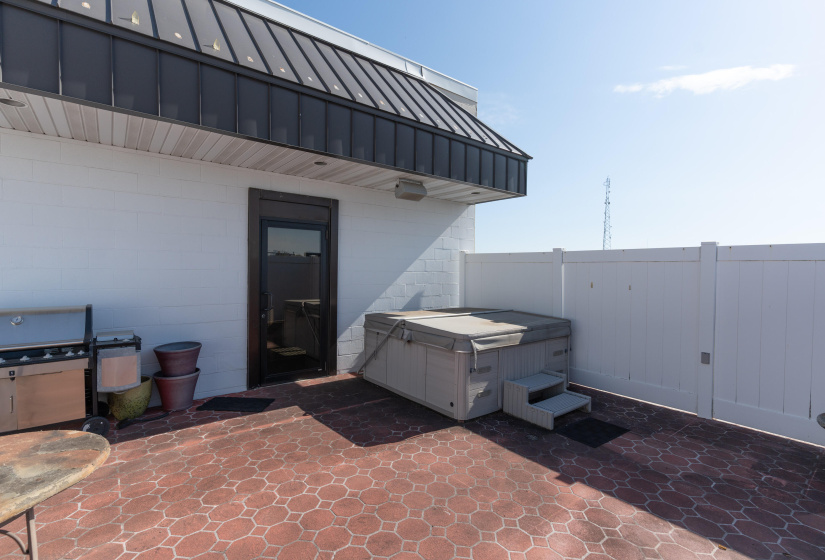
294	288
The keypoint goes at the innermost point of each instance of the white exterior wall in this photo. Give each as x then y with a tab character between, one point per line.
642	318
158	244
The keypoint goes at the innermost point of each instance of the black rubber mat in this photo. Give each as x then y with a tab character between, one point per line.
236	404
591	431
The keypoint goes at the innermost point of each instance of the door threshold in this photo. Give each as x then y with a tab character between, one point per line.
295	376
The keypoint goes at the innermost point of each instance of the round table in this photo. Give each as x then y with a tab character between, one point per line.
35	466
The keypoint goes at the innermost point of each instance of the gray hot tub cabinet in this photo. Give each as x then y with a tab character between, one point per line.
456	361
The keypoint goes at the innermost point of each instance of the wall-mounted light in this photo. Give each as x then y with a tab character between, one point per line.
86	5
13	102
410	190
135	18
216	45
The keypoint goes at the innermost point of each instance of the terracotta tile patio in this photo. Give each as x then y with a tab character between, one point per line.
338	468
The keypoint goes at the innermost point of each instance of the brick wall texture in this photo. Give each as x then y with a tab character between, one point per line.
158	244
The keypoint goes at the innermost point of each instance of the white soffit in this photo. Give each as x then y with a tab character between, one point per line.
64	119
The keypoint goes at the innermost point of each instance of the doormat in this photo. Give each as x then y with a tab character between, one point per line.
236	404
592	432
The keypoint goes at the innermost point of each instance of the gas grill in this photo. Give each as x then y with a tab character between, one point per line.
46	370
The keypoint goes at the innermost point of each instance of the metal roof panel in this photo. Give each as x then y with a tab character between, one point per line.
133	15
173	25
242	43
353	85
274	56
322	68
209	35
303	69
90	8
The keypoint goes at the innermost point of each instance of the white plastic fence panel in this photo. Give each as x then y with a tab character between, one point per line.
635	322
635	317
520	281
769	369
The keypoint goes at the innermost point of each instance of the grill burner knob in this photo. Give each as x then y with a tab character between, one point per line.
25	359
2	360
47	356
80	352
70	353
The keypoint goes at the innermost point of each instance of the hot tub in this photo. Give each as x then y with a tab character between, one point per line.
455	360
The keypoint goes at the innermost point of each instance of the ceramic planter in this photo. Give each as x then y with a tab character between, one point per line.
132	403
178	358
176	393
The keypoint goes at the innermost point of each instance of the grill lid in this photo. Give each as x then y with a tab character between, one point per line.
45	327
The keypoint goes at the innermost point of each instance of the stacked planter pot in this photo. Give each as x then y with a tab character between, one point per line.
178	374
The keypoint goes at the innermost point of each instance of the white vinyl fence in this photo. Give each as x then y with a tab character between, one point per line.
645	320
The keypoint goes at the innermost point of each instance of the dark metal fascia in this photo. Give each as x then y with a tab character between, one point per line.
164	46
138	114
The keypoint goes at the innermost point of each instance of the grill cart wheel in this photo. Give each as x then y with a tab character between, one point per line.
96	425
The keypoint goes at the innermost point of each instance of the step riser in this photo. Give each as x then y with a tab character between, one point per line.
517	394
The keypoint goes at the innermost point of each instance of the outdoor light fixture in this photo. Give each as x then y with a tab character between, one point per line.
216	45
409	190
135	18
13	102
178	35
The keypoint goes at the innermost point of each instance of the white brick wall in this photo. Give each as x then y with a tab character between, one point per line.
159	245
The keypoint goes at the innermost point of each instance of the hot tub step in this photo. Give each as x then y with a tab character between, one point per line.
564	403
538	382
543	413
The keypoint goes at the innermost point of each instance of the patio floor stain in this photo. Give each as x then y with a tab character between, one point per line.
337	468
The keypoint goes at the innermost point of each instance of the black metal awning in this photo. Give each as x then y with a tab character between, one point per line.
213	65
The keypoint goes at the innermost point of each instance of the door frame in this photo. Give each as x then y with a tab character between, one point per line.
278	206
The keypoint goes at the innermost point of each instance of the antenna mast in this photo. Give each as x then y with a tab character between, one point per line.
607	236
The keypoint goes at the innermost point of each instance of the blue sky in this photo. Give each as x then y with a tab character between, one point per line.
708	116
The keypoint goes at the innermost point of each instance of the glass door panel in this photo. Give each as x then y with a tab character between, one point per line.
293	281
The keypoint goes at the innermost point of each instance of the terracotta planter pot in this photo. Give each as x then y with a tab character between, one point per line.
178	358
132	403
176	393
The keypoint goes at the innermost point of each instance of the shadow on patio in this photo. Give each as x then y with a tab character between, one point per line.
338	468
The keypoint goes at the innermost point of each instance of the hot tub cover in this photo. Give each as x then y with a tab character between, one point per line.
460	329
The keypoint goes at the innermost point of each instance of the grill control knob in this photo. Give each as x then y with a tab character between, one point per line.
69	353
47	356
80	352
2	360
25	359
